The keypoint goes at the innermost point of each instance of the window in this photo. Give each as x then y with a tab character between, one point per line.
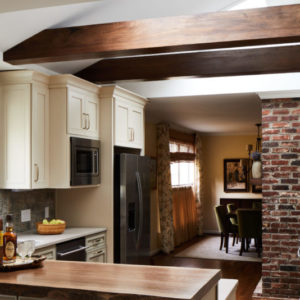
182	164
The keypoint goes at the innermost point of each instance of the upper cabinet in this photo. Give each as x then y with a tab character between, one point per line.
128	116
74	111
24	130
82	100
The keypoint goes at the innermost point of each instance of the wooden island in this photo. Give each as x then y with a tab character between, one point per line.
62	280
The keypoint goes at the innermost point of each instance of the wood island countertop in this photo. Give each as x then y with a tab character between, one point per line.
82	280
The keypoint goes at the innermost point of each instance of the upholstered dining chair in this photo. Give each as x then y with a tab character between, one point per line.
225	226
231	209
249	226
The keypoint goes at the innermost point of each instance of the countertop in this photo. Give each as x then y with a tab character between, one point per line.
82	280
71	233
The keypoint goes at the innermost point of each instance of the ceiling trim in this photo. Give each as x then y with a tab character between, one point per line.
262	26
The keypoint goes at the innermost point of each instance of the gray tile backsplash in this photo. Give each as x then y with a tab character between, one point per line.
36	200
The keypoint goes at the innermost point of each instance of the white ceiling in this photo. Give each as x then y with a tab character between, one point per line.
223	114
20	20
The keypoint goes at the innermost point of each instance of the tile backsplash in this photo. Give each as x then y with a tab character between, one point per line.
36	200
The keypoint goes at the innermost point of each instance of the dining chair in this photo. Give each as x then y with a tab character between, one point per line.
225	226
257	205
249	226
231	209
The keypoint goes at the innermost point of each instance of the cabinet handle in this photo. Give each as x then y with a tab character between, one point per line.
37	173
132	134
84	121
89	122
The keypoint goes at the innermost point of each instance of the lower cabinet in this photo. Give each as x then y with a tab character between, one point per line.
6	297
96	251
49	252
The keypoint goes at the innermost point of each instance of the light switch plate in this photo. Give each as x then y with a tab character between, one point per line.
46	212
25	215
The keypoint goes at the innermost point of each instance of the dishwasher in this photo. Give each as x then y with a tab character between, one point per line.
74	250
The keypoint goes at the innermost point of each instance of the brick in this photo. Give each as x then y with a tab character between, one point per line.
270	131
270	144
280	111
270	119
289	118
296	112
289	181
296	175
280	125
296	124
280	137
289	155
288	268
280	162
289	130
296	137
288	207
288	219
290	104
295	163
289	144
296	188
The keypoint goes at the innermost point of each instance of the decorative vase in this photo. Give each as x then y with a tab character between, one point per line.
256	169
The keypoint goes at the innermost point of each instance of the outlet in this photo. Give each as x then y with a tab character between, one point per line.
25	215
46	212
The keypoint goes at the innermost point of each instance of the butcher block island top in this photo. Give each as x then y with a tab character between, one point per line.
82	280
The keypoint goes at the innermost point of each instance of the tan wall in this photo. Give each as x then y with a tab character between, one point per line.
150	150
215	150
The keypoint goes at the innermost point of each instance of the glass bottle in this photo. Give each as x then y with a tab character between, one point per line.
9	241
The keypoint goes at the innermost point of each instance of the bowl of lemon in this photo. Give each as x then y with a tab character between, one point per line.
55	226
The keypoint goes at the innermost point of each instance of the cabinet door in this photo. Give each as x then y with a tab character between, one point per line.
77	121
6	297
92	115
98	256
16	143
49	252
40	136
122	131
136	124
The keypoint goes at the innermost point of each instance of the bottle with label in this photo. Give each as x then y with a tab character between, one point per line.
1	241
9	241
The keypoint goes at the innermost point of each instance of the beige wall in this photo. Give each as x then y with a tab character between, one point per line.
150	150
215	150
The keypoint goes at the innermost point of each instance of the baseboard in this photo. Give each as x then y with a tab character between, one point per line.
211	232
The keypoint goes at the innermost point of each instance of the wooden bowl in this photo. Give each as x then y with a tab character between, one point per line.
50	228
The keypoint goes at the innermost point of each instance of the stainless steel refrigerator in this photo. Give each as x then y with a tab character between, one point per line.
131	209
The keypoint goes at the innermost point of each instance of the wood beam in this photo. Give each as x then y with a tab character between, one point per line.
198	64
261	26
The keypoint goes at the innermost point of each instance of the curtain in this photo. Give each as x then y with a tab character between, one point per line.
184	214
164	188
198	185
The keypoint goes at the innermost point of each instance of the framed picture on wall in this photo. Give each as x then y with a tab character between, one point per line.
236	175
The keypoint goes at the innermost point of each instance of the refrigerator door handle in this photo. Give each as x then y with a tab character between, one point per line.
140	193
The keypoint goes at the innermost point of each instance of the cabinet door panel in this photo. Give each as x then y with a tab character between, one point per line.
137	124
16	135
40	136
76	120
92	111
121	123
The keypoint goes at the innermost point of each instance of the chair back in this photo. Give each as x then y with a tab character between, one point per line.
249	223
231	208
222	220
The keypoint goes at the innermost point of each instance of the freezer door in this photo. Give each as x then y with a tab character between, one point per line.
129	207
143	180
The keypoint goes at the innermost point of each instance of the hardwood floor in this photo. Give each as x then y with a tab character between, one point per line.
248	273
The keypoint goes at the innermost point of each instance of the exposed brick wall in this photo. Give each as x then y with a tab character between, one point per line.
281	201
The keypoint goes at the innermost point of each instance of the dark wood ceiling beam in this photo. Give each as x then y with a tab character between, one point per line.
169	34
198	64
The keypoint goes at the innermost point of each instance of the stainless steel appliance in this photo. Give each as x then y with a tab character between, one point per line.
85	161
131	209
74	250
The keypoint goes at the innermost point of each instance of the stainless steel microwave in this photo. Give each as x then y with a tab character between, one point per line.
85	161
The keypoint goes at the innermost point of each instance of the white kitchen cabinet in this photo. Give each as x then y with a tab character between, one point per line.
96	248
128	118
83	113
25	130
7	297
49	252
74	111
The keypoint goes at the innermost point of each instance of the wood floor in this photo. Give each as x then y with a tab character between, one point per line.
248	273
